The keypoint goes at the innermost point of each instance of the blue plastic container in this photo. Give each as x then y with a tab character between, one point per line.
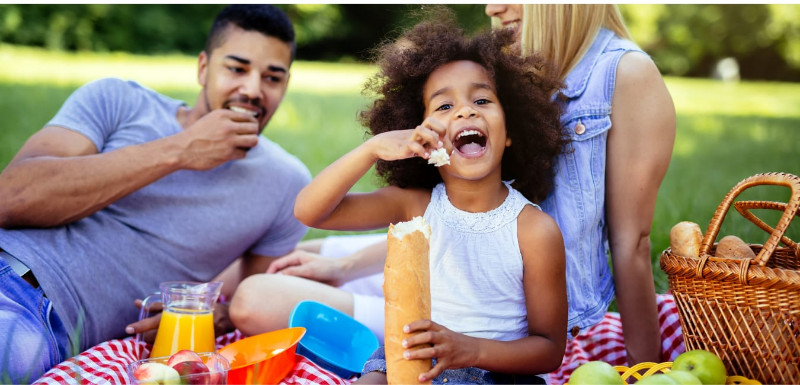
333	340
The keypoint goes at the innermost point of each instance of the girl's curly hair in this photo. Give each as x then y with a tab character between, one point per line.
524	91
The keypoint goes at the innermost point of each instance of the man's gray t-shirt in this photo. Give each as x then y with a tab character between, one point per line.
188	225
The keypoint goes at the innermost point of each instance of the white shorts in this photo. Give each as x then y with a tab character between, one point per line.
367	291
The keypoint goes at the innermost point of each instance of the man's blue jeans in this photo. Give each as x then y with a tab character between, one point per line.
32	337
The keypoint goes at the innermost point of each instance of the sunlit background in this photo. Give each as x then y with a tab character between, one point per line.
732	71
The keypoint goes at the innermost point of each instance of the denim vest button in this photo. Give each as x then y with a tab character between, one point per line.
575	330
580	128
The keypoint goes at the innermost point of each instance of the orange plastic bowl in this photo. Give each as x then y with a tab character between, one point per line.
264	358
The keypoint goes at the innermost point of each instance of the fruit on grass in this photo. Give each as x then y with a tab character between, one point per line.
154	373
658	379
683	377
193	373
706	366
595	373
183	355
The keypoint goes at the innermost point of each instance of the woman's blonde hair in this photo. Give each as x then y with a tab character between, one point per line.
563	33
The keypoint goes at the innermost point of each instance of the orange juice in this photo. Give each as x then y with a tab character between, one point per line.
184	329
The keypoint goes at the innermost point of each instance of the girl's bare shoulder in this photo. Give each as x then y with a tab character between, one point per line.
537	229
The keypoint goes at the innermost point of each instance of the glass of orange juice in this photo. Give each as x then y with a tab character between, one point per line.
187	321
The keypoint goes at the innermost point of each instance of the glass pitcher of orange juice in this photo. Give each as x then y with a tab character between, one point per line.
187	321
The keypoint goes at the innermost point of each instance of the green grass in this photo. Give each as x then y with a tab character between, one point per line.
725	133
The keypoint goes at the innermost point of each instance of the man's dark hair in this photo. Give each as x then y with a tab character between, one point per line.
263	18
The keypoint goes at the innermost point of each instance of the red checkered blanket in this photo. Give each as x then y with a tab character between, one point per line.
105	363
604	342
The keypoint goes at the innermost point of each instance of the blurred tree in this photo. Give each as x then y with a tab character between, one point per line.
350	31
684	39
324	31
134	28
689	39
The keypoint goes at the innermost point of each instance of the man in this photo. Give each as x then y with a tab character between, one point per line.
126	188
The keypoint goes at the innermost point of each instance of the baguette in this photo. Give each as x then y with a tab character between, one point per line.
407	291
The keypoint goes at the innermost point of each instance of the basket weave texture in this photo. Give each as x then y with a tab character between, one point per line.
746	311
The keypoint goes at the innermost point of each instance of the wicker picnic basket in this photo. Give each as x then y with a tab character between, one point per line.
747	311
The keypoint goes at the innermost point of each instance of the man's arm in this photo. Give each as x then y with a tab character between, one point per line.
58	176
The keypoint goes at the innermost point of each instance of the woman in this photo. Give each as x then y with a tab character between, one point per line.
622	122
604	197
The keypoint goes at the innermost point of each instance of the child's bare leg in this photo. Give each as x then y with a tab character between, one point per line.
372	378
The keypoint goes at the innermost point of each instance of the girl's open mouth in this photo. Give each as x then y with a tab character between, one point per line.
470	143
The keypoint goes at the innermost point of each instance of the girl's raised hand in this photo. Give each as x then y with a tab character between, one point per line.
403	144
452	350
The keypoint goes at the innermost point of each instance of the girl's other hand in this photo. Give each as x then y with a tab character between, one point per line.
452	350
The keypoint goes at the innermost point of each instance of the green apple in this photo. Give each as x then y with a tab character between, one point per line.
658	379
595	373
683	377
706	366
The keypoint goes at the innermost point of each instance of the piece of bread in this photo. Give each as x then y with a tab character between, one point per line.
733	247
685	239
439	157
407	290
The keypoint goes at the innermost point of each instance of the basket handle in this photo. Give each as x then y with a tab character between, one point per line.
744	207
773	178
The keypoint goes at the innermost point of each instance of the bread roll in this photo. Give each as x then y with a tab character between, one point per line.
685	239
407	290
734	247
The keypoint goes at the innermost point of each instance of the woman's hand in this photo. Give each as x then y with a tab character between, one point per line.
452	350
404	144
305	264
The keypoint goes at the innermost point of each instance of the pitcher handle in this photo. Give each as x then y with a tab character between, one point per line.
144	312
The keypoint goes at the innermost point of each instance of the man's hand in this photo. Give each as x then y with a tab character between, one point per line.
222	320
219	136
304	264
452	350
147	326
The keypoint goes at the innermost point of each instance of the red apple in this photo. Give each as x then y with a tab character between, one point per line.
706	366
183	355
154	373
595	373
193	372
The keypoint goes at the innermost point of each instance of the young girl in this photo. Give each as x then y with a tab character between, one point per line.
498	291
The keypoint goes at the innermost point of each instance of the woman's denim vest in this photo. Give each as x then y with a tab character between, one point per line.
578	200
